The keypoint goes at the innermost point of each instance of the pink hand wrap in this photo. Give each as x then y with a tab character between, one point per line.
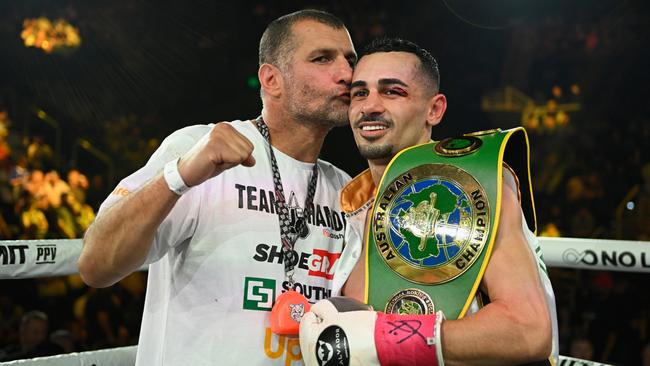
408	339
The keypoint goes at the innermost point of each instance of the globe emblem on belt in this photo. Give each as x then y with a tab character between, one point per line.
435	224
429	222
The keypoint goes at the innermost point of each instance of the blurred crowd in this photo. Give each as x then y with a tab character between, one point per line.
47	316
37	203
591	174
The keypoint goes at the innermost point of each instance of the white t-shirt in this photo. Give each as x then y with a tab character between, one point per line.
216	263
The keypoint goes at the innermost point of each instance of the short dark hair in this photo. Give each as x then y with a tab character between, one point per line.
277	41
33	315
428	64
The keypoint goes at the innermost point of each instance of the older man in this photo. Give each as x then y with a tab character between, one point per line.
225	213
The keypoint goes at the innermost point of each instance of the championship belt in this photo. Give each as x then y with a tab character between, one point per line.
435	219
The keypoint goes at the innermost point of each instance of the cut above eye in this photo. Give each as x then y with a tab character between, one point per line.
395	92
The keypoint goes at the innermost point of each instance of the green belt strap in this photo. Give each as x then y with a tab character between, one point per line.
434	221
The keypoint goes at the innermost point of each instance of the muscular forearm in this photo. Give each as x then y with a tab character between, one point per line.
496	336
515	327
117	243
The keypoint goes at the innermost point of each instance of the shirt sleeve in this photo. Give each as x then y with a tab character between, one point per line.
181	222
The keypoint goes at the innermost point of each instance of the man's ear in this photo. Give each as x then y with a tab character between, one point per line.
436	108
271	80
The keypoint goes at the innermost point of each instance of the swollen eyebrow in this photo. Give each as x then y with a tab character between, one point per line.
358	83
385	82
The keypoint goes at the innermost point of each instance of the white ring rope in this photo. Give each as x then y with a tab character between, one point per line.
125	356
48	258
570	361
121	356
21	259
596	254
38	258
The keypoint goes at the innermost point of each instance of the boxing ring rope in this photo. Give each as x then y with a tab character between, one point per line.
121	356
126	356
21	259
47	258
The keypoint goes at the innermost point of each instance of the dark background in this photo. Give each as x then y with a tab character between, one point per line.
147	68
167	64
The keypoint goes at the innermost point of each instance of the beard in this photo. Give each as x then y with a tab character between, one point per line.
373	152
318	107
369	152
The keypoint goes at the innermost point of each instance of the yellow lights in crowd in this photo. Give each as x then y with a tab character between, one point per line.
49	36
4	124
4	117
555	113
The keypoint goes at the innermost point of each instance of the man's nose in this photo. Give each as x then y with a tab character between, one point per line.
372	104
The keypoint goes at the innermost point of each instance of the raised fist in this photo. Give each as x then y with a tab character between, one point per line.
221	149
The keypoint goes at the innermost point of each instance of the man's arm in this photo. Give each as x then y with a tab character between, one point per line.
119	239
515	327
118	242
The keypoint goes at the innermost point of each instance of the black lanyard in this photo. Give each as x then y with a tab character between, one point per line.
288	237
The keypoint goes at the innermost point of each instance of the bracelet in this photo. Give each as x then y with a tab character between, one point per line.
173	178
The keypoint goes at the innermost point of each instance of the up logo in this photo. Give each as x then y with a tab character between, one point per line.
276	347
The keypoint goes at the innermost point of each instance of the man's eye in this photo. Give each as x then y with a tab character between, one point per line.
359	93
321	59
395	92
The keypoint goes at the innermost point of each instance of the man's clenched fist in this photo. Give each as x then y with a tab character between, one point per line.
221	149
